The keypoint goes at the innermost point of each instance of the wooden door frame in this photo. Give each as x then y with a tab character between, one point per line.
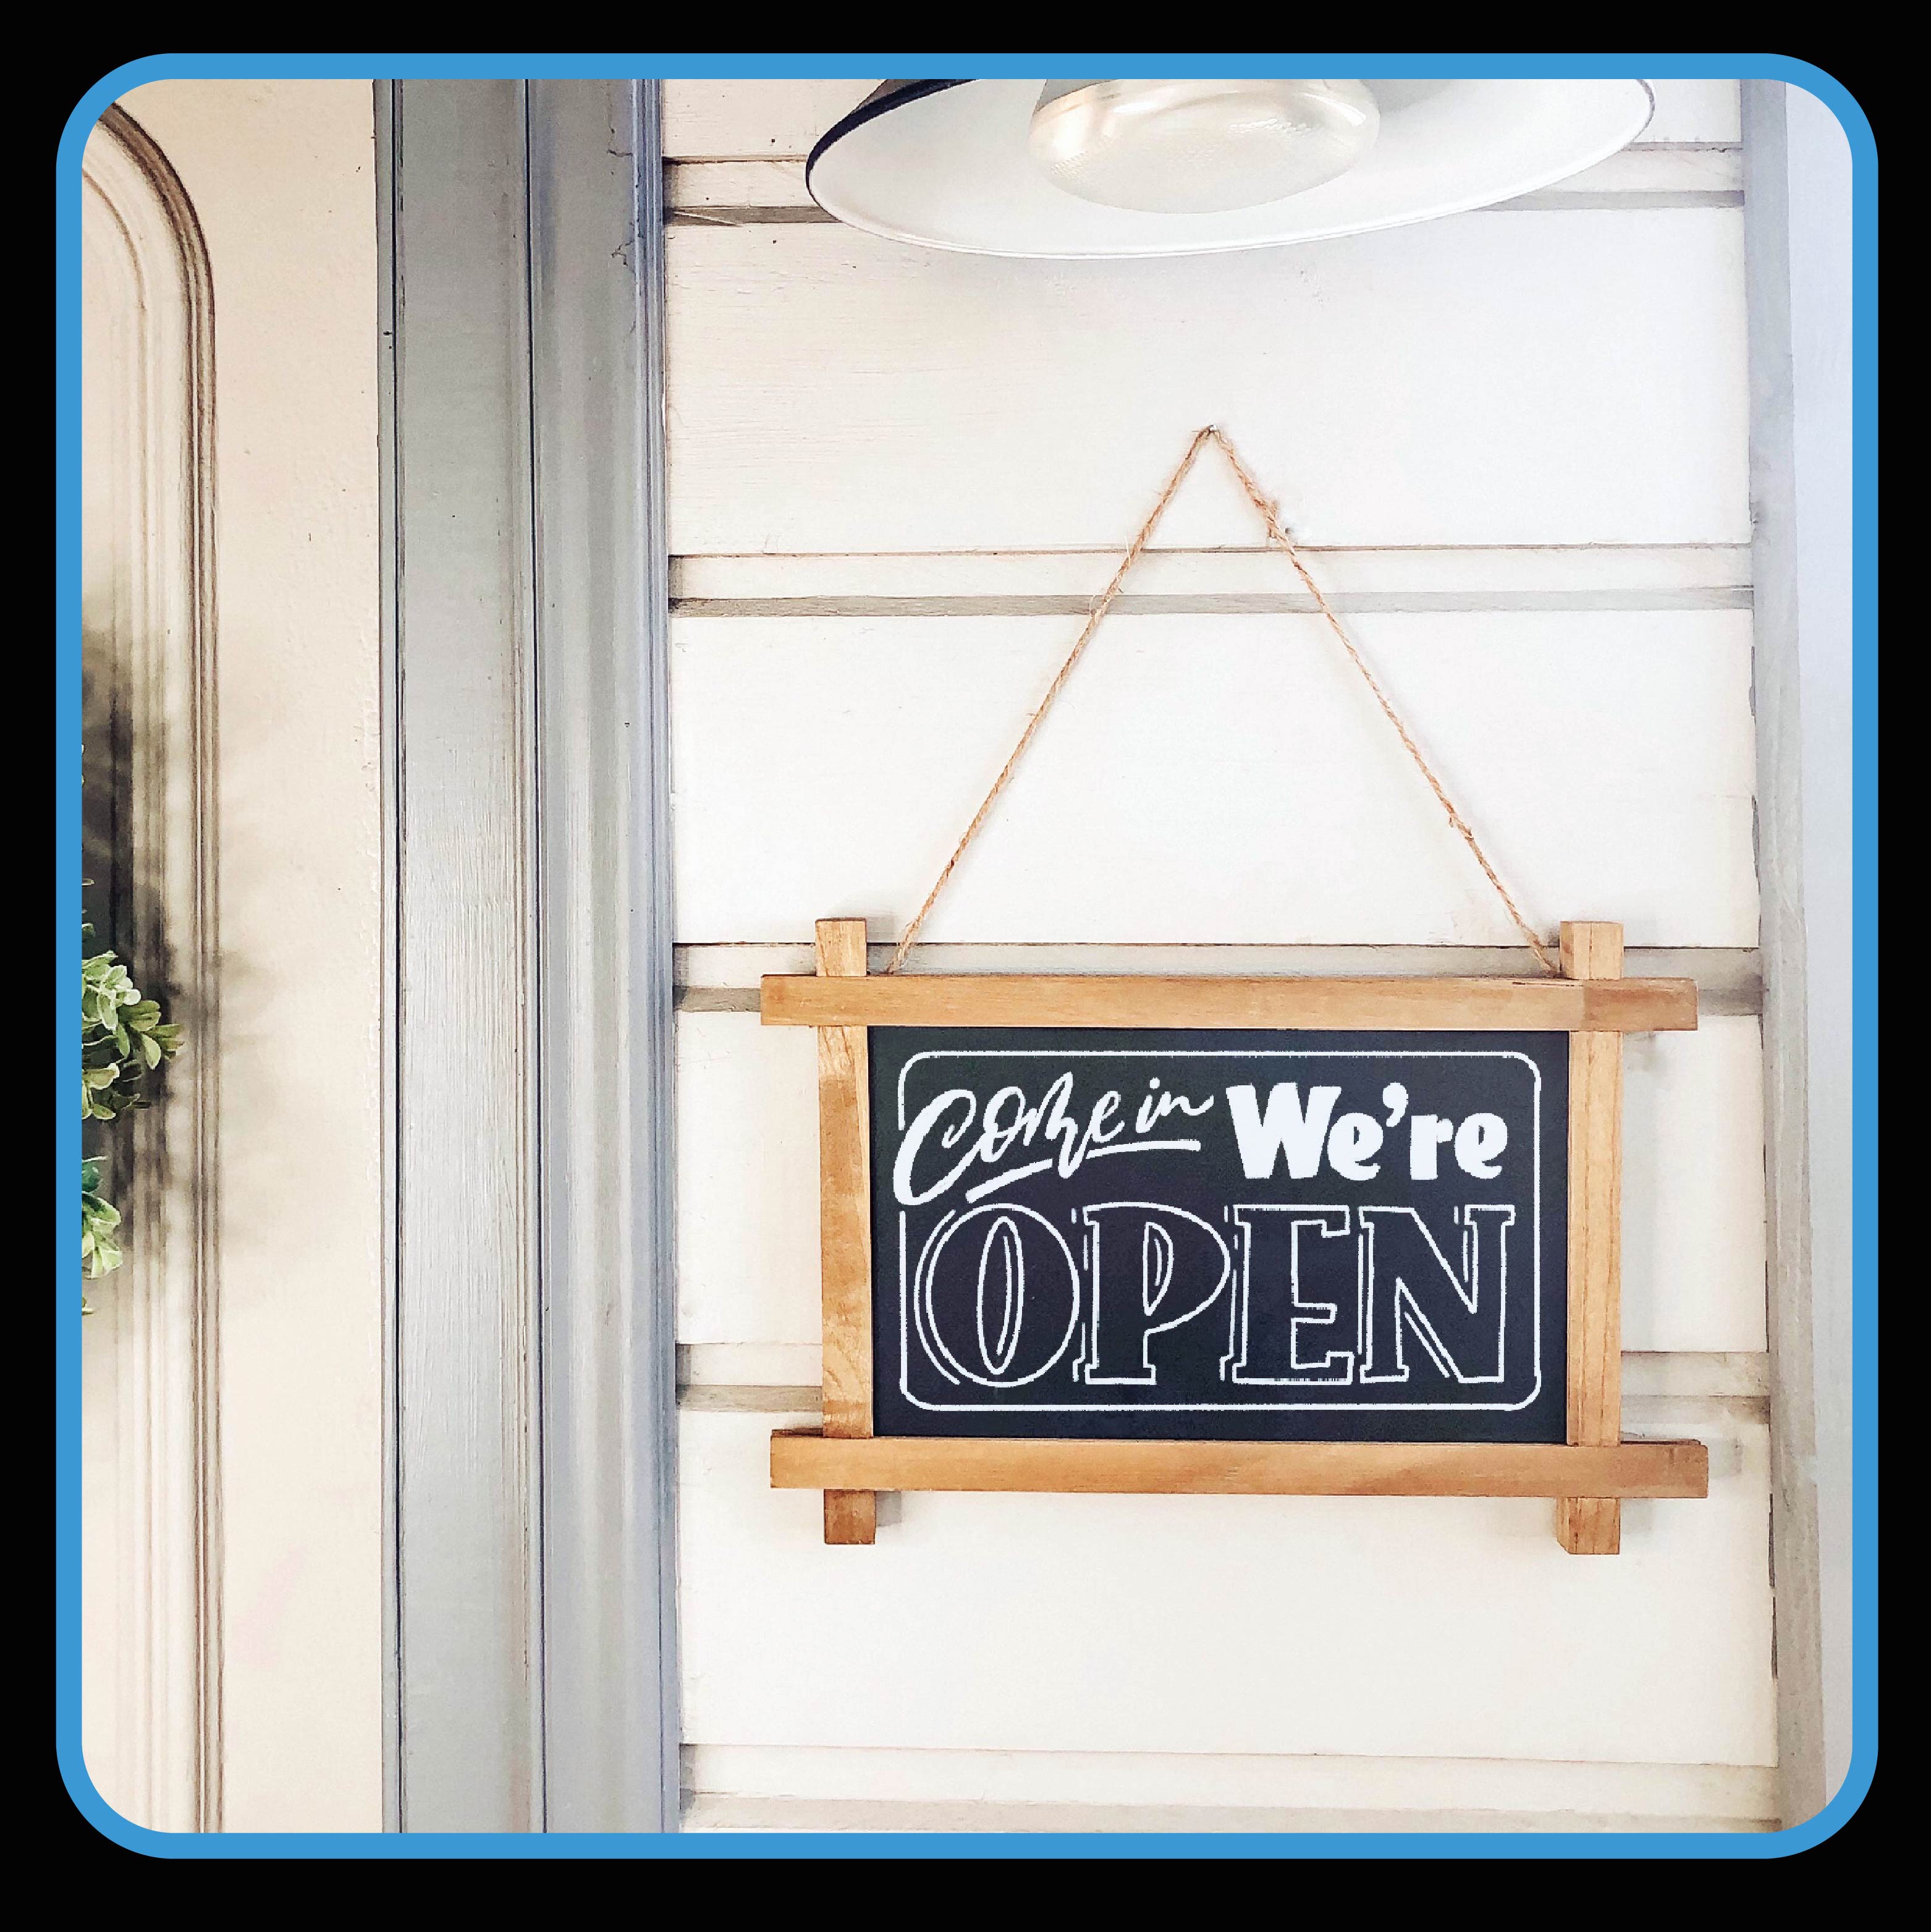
529	1619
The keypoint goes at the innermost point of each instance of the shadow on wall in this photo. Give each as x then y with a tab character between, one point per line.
125	910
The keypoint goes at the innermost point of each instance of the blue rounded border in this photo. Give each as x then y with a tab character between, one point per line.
67	909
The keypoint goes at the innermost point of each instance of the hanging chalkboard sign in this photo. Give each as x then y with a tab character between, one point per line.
1290	1237
1241	1236
1285	1237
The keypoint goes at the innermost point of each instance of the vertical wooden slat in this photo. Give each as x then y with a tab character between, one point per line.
532	1676
1592	1526
845	1228
467	1287
610	1678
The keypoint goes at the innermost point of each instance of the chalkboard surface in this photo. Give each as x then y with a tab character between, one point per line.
1314	1237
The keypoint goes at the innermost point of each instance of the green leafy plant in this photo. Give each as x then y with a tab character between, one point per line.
99	1248
123	1039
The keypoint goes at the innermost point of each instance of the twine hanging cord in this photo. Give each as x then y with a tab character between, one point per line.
1277	539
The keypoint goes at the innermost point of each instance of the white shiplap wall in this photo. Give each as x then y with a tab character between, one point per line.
1515	443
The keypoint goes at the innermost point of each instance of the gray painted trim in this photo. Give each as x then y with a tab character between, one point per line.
531	1667
1797	229
608	1363
469	1637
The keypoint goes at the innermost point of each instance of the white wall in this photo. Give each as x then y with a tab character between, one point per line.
280	174
1516	441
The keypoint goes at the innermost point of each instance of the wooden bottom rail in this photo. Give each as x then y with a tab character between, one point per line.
806	1460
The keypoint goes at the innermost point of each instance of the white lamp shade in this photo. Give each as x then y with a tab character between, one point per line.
947	164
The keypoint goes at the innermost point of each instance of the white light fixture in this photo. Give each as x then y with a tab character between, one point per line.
1172	167
1199	147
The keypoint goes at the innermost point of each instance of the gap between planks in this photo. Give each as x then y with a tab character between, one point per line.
1232	1781
1549	201
711	1811
1223	603
715	1810
1450	576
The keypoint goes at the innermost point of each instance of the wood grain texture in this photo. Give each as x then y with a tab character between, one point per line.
1591	1525
845	1229
603	839
807	1460
468	1302
995	1000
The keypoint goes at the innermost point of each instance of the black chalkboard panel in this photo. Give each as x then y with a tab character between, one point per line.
1280	1237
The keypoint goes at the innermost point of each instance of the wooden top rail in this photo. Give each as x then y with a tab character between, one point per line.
805	1460
1017	1000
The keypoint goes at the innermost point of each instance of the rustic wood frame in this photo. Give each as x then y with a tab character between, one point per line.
1588	1475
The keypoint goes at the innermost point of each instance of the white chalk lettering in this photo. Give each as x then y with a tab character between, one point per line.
1009	1123
1151	1268
1352	1144
1408	1288
1426	1133
1271	1256
1478	1141
1284	1129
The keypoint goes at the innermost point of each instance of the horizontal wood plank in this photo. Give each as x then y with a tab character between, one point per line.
1203	777
1701	111
741	118
1003	1000
831	391
1195	1624
747	1246
801	1460
1703	1390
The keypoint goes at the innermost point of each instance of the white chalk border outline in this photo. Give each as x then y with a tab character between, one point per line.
1230	1408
